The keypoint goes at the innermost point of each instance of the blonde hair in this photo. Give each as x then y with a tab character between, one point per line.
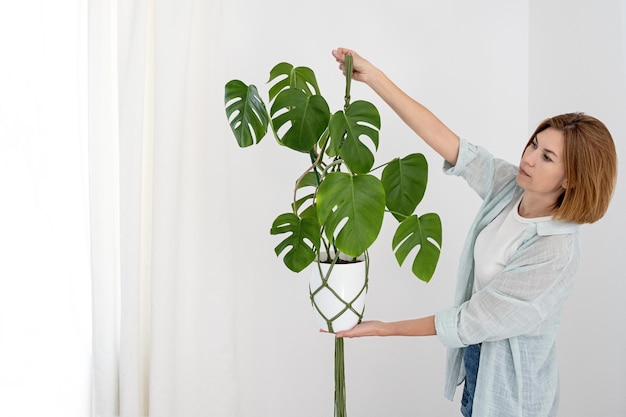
590	167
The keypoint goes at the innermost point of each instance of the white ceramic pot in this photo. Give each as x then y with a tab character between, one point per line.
339	304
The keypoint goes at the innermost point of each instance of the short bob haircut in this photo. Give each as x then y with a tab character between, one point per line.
590	167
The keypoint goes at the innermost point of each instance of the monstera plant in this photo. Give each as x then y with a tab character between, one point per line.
339	203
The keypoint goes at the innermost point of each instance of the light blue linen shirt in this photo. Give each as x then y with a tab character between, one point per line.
516	316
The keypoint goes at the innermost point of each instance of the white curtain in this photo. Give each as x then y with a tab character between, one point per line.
163	295
45	326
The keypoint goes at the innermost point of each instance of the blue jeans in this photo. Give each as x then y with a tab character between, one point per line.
471	357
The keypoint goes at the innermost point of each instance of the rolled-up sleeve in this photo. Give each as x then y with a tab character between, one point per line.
484	173
446	324
467	152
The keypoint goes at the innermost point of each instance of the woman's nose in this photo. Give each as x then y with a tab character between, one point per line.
530	157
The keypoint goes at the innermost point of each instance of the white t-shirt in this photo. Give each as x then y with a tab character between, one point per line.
498	241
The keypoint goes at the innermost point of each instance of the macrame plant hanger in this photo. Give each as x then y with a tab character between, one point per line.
340	378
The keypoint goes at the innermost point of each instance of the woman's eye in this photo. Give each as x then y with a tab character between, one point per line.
547	158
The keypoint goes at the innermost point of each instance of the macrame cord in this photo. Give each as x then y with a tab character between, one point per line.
340	381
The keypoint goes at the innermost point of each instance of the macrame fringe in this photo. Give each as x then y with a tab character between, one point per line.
340	379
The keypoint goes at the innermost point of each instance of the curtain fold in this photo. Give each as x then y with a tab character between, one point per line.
163	293
104	204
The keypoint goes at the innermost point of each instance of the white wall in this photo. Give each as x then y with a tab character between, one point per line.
476	66
577	64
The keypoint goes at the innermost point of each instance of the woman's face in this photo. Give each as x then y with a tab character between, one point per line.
542	168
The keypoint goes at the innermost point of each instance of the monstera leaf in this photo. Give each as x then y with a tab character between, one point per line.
351	208
424	233
405	184
299	120
246	113
301	78
303	240
347	129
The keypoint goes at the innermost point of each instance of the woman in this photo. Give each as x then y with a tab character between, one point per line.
518	264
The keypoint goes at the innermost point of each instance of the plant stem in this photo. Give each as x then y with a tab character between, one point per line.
379	167
336	163
316	161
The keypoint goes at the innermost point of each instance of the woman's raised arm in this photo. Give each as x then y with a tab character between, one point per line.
421	120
